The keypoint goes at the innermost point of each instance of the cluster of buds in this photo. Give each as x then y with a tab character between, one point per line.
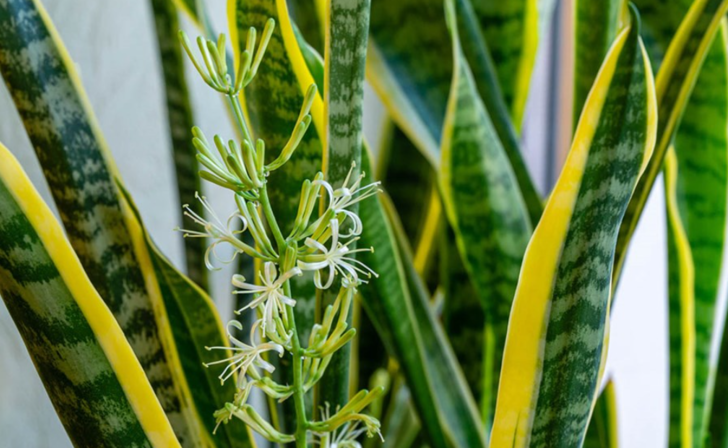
319	244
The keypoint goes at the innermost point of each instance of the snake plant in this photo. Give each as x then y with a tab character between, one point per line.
420	290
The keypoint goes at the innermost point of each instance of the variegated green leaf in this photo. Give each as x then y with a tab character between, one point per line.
410	69
89	370
483	203
101	227
602	432
179	118
718	425
272	102
596	23
698	198
195	324
559	321
675	81
512	35
398	305
347	33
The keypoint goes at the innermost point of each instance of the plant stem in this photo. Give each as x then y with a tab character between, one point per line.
238	113
296	350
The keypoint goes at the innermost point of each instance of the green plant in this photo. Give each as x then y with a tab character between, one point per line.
492	304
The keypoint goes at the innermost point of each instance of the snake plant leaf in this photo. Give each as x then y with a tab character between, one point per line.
602	432
305	14
179	118
283	75
398	305
718	424
699	188
88	368
465	325
406	67
80	172
483	203
559	321
347	34
401	425
195	325
511	32
676	78
596	24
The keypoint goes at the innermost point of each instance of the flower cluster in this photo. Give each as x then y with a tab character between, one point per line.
321	245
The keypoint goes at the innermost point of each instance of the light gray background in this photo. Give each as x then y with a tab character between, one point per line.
113	45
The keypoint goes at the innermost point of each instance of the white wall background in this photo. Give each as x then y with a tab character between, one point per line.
114	47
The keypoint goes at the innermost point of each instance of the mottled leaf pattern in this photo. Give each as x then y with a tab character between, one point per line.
559	321
483	204
602	432
78	167
88	369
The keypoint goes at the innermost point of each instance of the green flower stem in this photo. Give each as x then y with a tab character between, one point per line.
239	119
296	350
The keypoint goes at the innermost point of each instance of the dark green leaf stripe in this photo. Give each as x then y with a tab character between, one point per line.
179	117
483	203
675	81
718	425
195	324
558	325
596	23
86	365
510	30
272	103
411	333
78	167
602	432
345	59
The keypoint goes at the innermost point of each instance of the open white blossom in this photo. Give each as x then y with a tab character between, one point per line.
348	195
215	230
335	259
244	356
270	293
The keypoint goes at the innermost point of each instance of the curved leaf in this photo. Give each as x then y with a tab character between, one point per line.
675	81
101	227
483	203
89	370
398	305
558	324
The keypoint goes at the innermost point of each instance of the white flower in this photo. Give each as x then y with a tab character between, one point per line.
335	259
244	356
348	195
270	292
214	229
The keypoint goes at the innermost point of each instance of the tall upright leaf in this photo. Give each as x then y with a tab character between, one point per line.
559	321
699	188
512	35
95	382
347	33
596	24
602	432
675	81
179	118
483	203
